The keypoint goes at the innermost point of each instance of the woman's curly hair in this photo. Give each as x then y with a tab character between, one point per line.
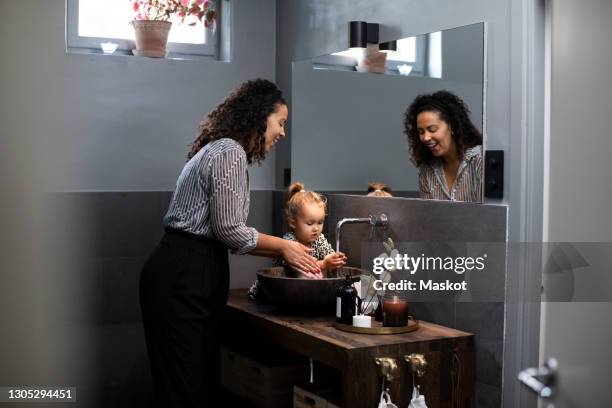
453	111
242	116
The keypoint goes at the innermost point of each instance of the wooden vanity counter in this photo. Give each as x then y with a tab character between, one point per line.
448	380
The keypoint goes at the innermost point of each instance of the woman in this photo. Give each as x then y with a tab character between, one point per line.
445	146
184	284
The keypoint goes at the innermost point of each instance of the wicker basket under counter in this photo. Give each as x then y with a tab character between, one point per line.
263	383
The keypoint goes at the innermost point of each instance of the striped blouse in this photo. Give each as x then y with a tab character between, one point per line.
467	186
211	197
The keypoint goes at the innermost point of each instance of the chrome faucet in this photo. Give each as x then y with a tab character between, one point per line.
380	220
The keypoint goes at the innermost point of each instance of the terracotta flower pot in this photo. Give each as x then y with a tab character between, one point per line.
151	37
372	60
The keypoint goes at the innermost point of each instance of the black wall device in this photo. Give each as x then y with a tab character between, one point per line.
494	174
286	176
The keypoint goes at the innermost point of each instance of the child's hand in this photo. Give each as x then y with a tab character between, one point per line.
334	260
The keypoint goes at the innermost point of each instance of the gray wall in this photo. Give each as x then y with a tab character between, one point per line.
96	123
347	127
109	135
120	122
463	59
91	280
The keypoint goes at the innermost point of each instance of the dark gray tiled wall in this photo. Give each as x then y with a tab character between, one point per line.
104	238
280	199
412	220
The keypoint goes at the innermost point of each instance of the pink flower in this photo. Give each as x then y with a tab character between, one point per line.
194	11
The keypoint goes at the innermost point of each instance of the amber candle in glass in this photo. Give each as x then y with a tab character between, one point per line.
395	312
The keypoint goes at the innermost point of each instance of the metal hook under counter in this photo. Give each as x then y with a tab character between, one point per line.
417	362
387	368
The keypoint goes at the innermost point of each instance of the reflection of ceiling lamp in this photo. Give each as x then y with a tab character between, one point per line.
388	46
361	34
363	38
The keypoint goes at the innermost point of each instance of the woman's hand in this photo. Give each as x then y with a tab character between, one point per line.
298	257
334	260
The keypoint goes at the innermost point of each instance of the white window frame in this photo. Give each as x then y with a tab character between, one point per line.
420	56
76	43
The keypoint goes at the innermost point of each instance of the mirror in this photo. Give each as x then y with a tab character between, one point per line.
347	125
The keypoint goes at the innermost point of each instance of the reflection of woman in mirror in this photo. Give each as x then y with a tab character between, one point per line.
379	190
445	146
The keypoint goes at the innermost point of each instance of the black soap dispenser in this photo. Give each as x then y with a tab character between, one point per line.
346	302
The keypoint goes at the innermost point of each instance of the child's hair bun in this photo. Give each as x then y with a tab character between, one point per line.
294	188
297	196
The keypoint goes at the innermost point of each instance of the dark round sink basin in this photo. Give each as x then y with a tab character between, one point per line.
303	296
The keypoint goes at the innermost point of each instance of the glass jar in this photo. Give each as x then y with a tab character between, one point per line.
394	311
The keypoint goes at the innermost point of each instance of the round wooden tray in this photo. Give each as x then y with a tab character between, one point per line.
378	328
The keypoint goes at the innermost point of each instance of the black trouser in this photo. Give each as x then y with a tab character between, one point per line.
183	290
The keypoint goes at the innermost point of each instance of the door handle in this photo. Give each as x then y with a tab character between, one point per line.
541	380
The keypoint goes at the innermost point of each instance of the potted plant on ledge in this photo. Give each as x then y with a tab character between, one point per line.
153	20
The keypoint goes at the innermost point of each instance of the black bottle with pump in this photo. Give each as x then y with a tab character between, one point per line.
346	301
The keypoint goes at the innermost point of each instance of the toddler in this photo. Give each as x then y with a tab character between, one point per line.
305	217
379	190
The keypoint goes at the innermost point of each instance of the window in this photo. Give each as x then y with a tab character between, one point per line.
92	22
409	53
415	56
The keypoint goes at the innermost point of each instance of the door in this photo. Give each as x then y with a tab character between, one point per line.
578	202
